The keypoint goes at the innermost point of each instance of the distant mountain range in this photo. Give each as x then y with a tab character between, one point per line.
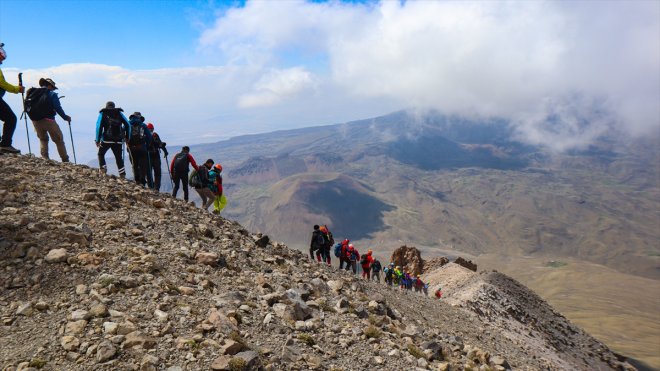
446	183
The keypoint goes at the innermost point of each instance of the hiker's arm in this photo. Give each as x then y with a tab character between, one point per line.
127	125
172	165
218	181
149	137
192	162
55	100
4	85
99	128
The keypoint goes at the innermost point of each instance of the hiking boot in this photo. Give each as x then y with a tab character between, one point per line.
122	175
9	149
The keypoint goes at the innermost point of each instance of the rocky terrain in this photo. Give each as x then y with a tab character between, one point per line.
97	273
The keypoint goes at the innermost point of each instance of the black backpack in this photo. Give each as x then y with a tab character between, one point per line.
37	104
181	162
363	259
194	180
138	136
113	128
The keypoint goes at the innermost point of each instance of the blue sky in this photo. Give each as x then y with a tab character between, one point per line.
204	71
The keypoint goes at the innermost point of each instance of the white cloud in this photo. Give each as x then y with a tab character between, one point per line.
518	60
276	86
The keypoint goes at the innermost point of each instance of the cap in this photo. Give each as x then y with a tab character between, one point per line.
150	126
217	167
138	115
110	105
44	82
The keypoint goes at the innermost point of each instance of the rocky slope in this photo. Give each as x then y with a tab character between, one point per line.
97	273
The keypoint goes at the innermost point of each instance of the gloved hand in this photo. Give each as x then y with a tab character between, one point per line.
67	118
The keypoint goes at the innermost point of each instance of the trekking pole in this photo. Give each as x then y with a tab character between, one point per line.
167	164
24	114
73	146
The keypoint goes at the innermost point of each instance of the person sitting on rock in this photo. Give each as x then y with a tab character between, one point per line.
366	262
375	270
352	257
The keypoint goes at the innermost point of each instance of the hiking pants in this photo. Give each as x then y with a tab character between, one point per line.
141	170
184	181
343	261
375	275
207	197
326	250
311	252
118	151
219	203
351	264
9	118
154	159
46	127
366	272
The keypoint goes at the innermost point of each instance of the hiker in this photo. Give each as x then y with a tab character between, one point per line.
398	276
408	280
418	284
343	251
138	142
352	257
154	156
438	293
7	116
179	169
375	270
317	244
199	180
112	129
41	105
215	180
330	241
365	262
389	274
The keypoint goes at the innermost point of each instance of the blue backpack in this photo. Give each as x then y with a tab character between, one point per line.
338	250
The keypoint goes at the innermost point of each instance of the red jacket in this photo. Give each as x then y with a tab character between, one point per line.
370	259
348	254
190	159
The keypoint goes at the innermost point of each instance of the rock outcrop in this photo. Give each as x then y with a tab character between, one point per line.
98	273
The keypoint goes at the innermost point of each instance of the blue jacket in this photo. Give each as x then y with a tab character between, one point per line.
101	126
147	134
57	107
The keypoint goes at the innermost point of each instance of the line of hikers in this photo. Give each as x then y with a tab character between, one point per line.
113	132
323	241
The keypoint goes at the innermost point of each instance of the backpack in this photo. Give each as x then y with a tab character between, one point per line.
181	162
338	250
194	180
138	136
364	260
331	240
319	240
114	129
38	104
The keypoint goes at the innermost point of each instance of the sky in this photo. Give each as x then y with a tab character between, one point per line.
561	72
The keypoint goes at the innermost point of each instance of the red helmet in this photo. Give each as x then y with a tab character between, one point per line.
217	167
150	126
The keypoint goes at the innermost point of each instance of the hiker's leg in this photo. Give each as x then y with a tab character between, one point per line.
9	118
135	165
40	127
184	182
58	138
117	150
175	178
103	148
209	196
155	166
223	202
145	171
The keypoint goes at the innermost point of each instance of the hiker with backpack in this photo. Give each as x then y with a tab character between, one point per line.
330	241
398	276
41	105
342	249
179	168
199	180
215	181
154	156
112	129
352	257
317	244
418	284
389	274
375	270
139	141
7	116
366	262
